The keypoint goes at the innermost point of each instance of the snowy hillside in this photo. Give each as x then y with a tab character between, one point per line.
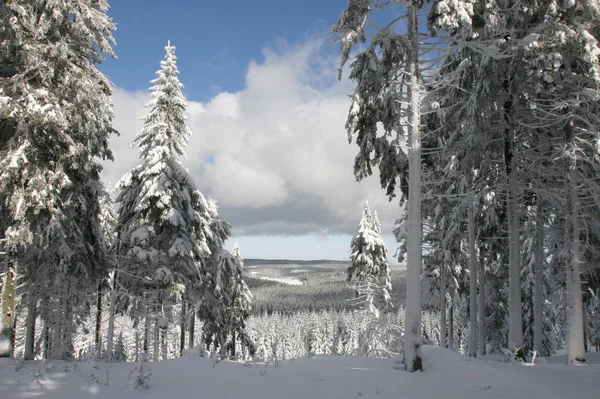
448	375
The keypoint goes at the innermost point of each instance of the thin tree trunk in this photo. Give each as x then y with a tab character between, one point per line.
538	282
412	332
14	326
182	323
137	344
514	301
47	339
110	333
156	348
8	312
443	327
472	276
192	326
163	342
481	309
30	327
98	336
233	345
451	322
575	346
146	332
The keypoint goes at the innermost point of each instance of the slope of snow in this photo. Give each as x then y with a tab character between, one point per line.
447	375
282	280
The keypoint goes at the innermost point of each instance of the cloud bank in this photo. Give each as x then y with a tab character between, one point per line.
275	154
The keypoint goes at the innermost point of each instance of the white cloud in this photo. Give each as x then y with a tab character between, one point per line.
275	154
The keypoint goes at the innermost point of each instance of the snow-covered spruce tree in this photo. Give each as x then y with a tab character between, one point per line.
241	300
478	74
164	221
387	95
214	291
368	263
55	122
368	257
109	224
565	64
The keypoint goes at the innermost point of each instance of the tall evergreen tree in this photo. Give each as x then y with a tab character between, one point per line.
240	303
164	221
213	289
387	95
368	263
55	122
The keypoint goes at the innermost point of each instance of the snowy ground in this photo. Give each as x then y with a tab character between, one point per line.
447	375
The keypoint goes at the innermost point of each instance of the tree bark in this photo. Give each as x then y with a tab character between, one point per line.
443	326
98	335
481	309
575	346
8	312
451	322
515	313
146	332
156	355
30	327
163	342
110	333
472	276
538	310
182	323
412	333
192	326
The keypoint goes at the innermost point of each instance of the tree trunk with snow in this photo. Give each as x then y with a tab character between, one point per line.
412	332
538	303
472	276
8	313
575	346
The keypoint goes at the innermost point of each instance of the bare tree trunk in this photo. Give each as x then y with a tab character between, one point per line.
163	343
515	314
8	312
47	339
182	323
412	332
443	327
110	333
146	332
472	276
575	346
98	335
192	326
451	322
30	327
233	345
156	356
538	310
481	309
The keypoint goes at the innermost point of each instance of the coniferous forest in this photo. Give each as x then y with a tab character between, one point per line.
481	120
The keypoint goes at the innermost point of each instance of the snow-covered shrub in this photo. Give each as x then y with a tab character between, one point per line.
139	376
120	353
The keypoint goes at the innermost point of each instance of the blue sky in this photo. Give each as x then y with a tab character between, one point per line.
215	40
267	115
